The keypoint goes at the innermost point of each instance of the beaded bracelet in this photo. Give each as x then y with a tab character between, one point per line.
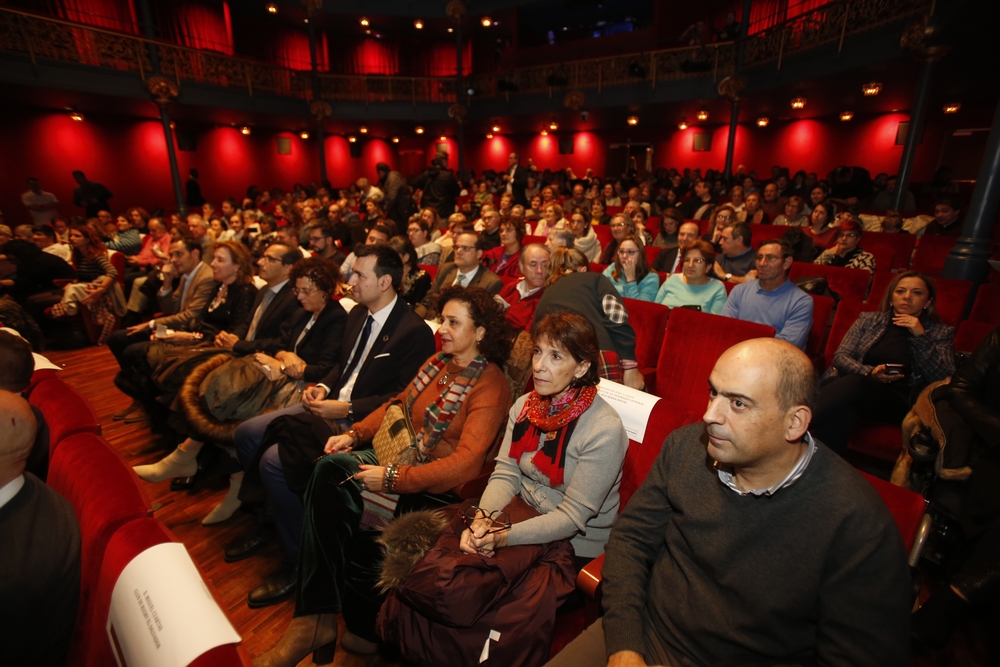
389	477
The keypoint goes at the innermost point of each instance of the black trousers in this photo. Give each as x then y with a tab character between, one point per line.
845	399
133	378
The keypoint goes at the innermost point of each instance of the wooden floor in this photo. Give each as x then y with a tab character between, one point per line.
91	370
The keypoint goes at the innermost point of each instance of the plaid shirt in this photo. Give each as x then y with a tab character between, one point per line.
932	354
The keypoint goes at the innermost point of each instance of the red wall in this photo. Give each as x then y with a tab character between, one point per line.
129	155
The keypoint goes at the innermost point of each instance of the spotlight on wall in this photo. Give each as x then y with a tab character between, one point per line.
763	121
272	8
245	130
799	103
489	135
553	126
496	128
442	138
352	139
683	124
303	135
871	89
364	22
76	115
363	129
545	133
952	108
395	140
419	129
632	120
418	24
846	115
173	125
486	21
702	115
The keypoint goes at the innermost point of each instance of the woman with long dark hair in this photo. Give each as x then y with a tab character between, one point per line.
97	287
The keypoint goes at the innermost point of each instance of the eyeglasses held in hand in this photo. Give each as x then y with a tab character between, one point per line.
497	519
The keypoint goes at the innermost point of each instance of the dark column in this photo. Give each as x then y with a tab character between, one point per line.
146	20
175	172
968	259
734	114
460	98
316	96
913	135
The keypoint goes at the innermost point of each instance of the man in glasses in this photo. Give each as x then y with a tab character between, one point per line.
464	271
773	299
736	262
323	243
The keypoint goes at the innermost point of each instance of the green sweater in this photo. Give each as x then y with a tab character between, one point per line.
696	573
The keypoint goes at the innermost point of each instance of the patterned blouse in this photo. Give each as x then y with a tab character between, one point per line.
856	259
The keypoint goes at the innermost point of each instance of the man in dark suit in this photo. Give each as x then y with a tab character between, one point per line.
40	558
383	347
516	179
465	271
179	307
273	306
670	260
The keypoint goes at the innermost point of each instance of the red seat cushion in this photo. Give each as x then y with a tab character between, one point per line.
848	283
952	295
900	244
66	412
906	507
931	253
986	307
970	334
881	441
844	318
822	311
649	320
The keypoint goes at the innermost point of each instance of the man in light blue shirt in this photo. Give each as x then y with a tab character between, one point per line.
772	298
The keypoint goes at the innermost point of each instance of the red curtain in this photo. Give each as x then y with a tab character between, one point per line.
765	14
365	56
290	48
108	14
438	59
198	24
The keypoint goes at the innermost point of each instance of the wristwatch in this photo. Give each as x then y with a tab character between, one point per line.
350	410
728	277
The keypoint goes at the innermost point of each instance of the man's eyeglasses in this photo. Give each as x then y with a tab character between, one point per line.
465	248
497	519
693	260
270	259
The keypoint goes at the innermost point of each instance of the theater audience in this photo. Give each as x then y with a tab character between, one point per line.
504	260
694	286
124	238
699	205
598	213
44	237
772	298
839	592
559	238
419	232
820	230
40	560
754	214
735	264
947	222
670	223
621	227
670	259
793	215
465	271
416	282
97	288
519	299
846	250
630	272
584	237
884	361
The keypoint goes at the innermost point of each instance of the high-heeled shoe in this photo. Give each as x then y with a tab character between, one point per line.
178	463
316	634
229	504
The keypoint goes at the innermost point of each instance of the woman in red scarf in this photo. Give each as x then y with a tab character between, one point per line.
563	450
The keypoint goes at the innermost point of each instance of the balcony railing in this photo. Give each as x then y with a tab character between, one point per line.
43	37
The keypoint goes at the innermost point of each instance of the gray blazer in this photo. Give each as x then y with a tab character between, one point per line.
177	315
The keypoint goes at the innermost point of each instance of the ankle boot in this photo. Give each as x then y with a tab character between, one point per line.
229	504
315	634
178	463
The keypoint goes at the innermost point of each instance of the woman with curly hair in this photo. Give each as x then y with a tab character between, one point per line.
97	287
416	282
138	218
457	404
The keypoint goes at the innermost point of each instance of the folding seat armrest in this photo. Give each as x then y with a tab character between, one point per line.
589	579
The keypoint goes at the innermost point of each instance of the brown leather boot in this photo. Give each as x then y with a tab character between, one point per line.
316	634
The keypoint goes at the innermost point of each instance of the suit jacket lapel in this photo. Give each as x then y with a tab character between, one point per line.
385	334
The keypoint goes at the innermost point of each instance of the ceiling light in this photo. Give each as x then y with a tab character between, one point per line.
763	121
352	139
173	125
363	129
245	130
451	30
633	120
496	128
305	20
395	140
871	89
799	103
846	115
272	8
364	22
952	108
553	126
702	114
442	138
418	24
486	21
368	32
545	133
419	129
489	135
303	134
76	115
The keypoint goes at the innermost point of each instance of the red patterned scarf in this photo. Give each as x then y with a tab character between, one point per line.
550	424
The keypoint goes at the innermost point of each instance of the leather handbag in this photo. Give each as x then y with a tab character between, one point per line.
396	441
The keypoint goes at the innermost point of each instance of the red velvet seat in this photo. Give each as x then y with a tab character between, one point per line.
843	319
986	307
66	412
952	295
822	312
649	320
595	267
533	239
127	543
848	283
652	252
902	245
614	210
876	439
603	234
39	376
885	255
761	233
970	334
105	495
909	509
692	344
431	269
931	253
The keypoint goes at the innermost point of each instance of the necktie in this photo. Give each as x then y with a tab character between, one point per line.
680	263
360	349
460	281
268	297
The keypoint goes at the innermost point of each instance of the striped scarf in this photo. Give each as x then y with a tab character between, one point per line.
439	414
